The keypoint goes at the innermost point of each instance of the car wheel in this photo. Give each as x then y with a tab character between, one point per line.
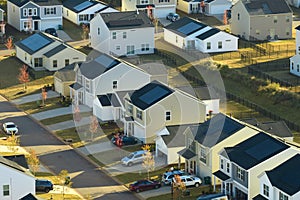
197	184
129	164
47	190
156	186
137	190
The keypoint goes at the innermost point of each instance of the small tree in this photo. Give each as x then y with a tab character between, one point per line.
13	142
149	162
24	76
33	161
225	20
177	186
9	43
93	126
44	96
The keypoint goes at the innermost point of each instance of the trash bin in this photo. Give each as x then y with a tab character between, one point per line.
207	180
60	27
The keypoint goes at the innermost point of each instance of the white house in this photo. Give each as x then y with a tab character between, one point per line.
153	8
295	60
34	15
15	181
209	7
82	11
43	51
241	165
281	182
188	33
215	7
122	33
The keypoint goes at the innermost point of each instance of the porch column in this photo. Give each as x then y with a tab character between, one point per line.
214	183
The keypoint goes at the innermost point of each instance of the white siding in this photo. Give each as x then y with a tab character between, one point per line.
13	15
163	11
104	113
295	65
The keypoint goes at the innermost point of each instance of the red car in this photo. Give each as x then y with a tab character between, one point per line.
142	185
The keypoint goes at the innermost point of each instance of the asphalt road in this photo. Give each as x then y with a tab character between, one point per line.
55	155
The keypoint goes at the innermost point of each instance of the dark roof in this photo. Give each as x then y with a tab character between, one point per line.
176	137
185	26
276	128
215	130
259	197
109	100
126	20
19	159
265	7
55	50
12	164
198	92
286	176
93	68
76	86
29	197
129	119
187	153
255	150
251	121
208	34
298	28
20	3
34	42
65	75
221	175
122	94
79	5
150	94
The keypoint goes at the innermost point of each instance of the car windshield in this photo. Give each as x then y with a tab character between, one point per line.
10	126
130	155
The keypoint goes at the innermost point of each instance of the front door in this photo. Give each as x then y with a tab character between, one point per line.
36	25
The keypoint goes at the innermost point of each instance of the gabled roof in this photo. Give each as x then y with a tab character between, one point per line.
215	130
29	197
19	159
55	50
150	94
208	34
185	26
109	100
76	86
286	176
255	150
66	75
187	153
276	128
265	7
176	137
13	165
126	20
21	3
221	175
80	5
200	92
34	42
298	28
93	68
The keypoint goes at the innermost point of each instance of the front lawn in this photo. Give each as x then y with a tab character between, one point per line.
35	106
63	118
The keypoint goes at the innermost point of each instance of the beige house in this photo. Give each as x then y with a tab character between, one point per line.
261	20
63	79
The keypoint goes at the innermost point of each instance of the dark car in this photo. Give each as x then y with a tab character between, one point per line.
173	17
143	185
51	31
43	185
123	140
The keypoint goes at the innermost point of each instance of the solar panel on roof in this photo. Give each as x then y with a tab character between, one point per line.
266	8
35	42
189	28
153	95
106	61
264	149
83	5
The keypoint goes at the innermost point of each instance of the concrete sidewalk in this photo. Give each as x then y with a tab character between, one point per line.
58	112
34	97
69	124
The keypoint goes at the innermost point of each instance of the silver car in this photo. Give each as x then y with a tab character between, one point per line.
133	158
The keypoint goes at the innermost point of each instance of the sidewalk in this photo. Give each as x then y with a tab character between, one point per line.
69	124
34	97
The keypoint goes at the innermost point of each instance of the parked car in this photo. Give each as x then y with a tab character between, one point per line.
133	158
168	176
43	185
190	180
124	140
143	185
173	17
218	196
10	128
51	31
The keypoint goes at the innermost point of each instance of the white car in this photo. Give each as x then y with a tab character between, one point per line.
191	181
10	128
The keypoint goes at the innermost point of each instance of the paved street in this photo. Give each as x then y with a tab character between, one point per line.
54	154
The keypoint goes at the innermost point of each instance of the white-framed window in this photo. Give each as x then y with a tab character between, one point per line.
118	47
266	190
67	62
5	190
168	115
292	65
145	47
283	196
35	12
176	39
27	25
79	79
25	56
114	35
84	17
124	35
38	62
144	1
240	174
208	45
115	84
228	167
275	19
50	11
130	49
54	63
203	154
238	16
189	142
220	46
30	13
25	13
98	30
87	85
139	114
222	164
130	108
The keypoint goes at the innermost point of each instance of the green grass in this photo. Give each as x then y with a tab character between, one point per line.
73	30
34	107
70	133
63	118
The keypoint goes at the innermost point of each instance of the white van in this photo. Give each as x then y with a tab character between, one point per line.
133	158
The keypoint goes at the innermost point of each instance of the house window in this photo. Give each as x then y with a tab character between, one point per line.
145	47
287	19
222	164
257	32
79	79
30	12
25	12
130	49
275	19
25	56
203	154
297	68
208	45
176	39
228	167
50	11
266	190
98	31
240	174
124	35
87	85
139	114
54	63
292	65
67	13
83	17
283	196
34	12
114	35
220	45
168	115
67	62
287	31
27	25
238	16
130	108
144	1
38	62
118	47
115	84
5	190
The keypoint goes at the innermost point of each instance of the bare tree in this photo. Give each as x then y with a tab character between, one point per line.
24	76
44	96
149	162
76	115
33	161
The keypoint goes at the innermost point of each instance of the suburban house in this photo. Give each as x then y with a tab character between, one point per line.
82	11
242	164
281	182
43	51
188	33
16	181
295	60
209	7
204	141
156	106
34	15
99	78
2	22
261	20
153	8
119	33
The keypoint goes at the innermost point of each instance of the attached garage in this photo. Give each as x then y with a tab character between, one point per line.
215	7
63	79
